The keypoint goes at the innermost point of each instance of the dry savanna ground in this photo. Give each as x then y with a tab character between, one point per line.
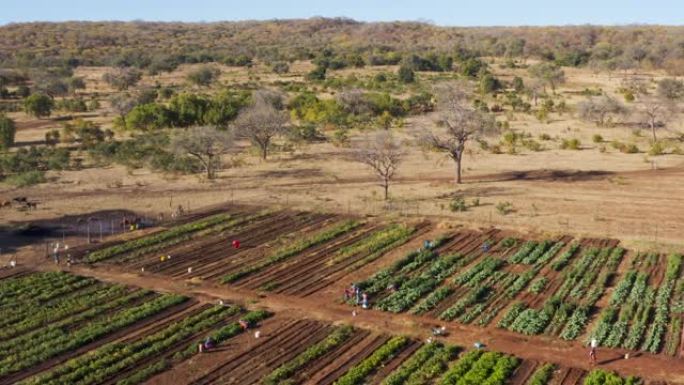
595	191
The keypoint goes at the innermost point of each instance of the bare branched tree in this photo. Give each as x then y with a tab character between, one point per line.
122	78
382	154
205	143
602	110
262	120
655	112
122	104
462	122
353	102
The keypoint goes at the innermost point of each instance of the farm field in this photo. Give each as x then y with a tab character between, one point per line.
558	288
289	350
281	251
553	287
71	329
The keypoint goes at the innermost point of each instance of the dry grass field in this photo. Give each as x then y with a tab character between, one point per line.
595	190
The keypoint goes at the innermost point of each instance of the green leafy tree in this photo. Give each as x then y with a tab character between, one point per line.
7	131
189	109
147	117
39	105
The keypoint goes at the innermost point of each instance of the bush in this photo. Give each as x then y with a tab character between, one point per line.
26	179
570	144
280	68
203	76
340	138
317	73
39	105
504	208
406	74
625	148
656	149
7	131
533	145
597	138
458	204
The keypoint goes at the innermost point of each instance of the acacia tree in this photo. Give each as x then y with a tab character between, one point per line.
262	120
205	143
382	154
462	121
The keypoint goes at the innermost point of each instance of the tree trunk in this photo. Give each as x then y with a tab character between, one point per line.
653	130
386	187
458	170
264	152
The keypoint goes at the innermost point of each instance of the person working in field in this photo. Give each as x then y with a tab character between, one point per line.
592	351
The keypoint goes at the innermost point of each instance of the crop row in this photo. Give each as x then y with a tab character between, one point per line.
62	341
602	377
220	336
41	289
385	353
661	318
542	375
398	271
477	368
285	371
411	290
107	361
374	245
294	249
562	261
231	224
109	252
476	274
57	330
60	297
50	314
426	364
